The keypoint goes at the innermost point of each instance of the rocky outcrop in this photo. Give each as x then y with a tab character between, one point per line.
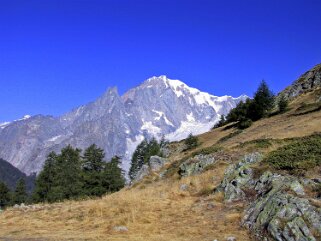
308	81
143	172
282	211
279	208
195	165
238	176
155	163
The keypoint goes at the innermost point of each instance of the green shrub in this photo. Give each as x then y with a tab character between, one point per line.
243	124
191	142
302	154
258	143
282	104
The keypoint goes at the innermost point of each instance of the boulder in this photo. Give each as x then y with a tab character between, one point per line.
156	163
279	209
120	229
183	187
195	165
144	171
237	177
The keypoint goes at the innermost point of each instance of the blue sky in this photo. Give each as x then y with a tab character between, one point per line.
56	55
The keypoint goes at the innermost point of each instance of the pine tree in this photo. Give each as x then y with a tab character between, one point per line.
93	159
93	166
282	104
153	149
5	196
20	194
113	175
68	180
138	159
263	102
191	141
45	180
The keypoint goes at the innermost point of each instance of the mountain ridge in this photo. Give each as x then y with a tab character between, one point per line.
117	123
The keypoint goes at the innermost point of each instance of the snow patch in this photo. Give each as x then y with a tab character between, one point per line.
54	138
4	125
190	117
187	127
160	115
150	128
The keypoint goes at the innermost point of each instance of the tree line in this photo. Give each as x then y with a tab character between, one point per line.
69	175
254	109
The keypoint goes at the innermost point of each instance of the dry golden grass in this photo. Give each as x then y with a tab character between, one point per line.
160	211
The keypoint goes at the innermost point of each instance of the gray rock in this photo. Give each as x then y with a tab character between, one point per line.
184	187
196	165
120	229
143	172
156	163
283	215
308	81
238	176
230	239
279	210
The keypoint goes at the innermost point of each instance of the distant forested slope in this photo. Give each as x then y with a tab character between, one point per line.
10	175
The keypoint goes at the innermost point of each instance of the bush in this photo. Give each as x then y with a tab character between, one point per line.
302	154
191	142
243	124
282	104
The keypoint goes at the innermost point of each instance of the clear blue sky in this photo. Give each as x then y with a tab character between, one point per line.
56	55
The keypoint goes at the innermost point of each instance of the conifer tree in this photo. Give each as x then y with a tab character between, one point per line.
191	141
282	104
153	149
45	180
93	158
113	175
93	166
68	179
20	194
138	159
263	102
5	196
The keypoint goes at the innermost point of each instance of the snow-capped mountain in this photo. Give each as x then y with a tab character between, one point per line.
159	106
4	124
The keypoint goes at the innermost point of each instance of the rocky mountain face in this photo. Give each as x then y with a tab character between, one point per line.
308	81
159	106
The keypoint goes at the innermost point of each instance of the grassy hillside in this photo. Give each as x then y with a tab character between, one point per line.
159	208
